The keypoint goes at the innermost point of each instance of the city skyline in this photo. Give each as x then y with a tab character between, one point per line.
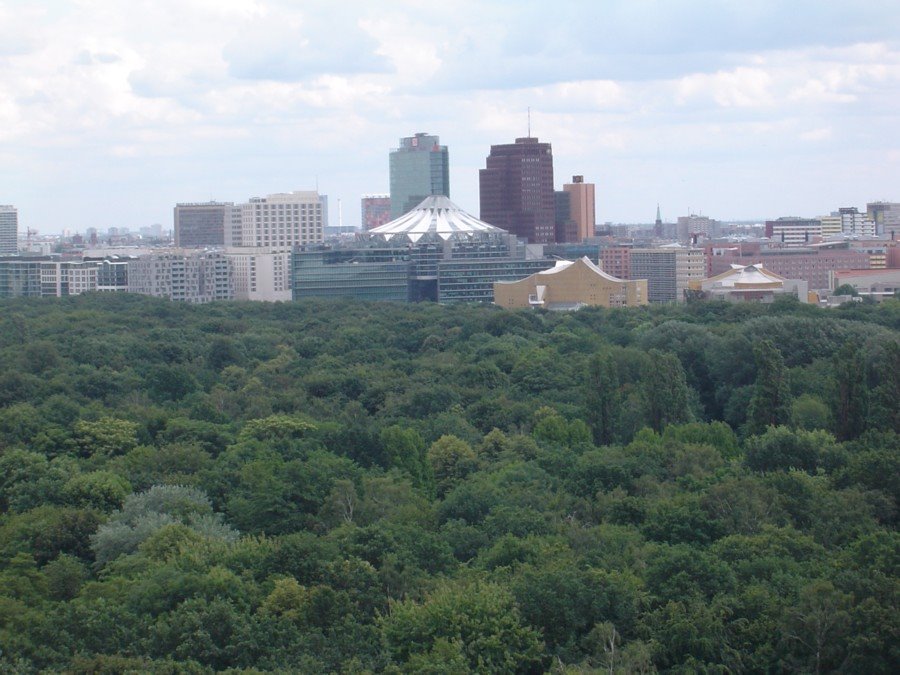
111	115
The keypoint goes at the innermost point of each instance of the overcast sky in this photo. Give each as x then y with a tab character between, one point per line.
113	111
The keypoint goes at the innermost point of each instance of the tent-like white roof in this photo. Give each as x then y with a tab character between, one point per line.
435	215
746	275
584	260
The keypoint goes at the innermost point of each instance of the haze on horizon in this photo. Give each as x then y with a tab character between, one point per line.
112	112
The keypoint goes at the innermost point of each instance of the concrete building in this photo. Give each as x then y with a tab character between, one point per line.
196	278
582	206
875	284
693	227
570	285
202	224
669	270
831	225
46	276
885	215
854	223
750	283
812	263
376	211
261	274
616	260
9	230
794	231
419	168
516	190
282	220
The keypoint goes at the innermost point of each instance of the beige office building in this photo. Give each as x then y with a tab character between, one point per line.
281	220
568	286
581	201
261	274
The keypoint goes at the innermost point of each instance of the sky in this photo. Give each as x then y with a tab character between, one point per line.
111	112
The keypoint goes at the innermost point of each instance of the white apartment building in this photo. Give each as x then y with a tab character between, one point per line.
281	220
261	274
855	223
197	278
59	279
9	230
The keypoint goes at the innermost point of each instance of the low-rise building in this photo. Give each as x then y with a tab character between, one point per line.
874	284
747	283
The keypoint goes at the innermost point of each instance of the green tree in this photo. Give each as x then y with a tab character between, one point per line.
451	460
602	400
850	402
405	450
771	402
665	391
106	436
480	616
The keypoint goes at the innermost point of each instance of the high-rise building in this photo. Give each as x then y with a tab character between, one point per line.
202	225
281	220
376	211
516	190
583	212
419	168
566	228
9	230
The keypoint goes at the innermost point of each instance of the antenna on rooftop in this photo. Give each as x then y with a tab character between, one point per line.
529	121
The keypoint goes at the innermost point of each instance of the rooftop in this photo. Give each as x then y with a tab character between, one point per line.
438	216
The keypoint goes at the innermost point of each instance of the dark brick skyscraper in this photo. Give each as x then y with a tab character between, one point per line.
516	190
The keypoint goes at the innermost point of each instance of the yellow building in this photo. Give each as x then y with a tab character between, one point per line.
571	285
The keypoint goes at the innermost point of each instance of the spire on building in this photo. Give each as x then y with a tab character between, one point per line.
658	216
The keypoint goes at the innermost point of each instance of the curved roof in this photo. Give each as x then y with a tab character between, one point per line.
563	265
435	215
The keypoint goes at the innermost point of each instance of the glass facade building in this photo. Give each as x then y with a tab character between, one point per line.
382	273
419	168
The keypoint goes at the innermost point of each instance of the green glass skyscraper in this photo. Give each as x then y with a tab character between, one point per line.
419	168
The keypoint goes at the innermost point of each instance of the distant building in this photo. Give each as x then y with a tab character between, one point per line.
376	211
875	284
669	270
196	278
516	190
582	206
616	260
812	263
565	227
419	168
854	223
750	283
202	225
261	274
570	285
885	215
282	220
792	231
435	252
693	227
9	230
46	276
831	225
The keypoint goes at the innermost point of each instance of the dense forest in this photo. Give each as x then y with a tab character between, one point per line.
347	487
